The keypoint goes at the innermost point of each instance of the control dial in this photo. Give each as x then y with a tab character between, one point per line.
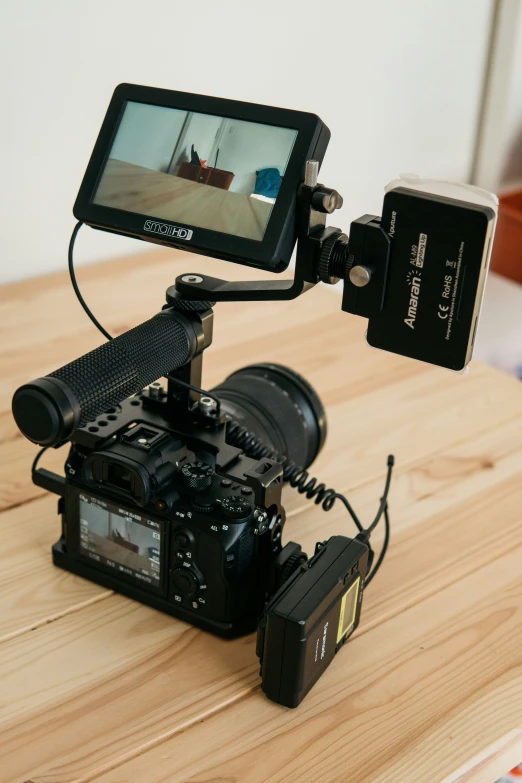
234	507
185	581
197	475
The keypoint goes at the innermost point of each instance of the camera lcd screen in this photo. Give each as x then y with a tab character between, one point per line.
121	540
203	170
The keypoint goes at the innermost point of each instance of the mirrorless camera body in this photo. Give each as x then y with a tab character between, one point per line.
171	515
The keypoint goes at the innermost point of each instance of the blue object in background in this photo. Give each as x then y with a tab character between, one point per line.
268	183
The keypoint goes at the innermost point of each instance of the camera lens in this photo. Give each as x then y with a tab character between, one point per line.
279	406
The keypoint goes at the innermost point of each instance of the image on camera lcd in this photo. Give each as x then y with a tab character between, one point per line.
116	540
202	170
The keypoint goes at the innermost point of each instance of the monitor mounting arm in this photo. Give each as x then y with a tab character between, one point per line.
314	241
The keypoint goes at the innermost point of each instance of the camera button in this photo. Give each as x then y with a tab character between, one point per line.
203	505
226	483
182	540
197	475
246	491
185	581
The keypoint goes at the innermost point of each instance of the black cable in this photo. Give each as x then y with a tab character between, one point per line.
198	390
299	479
37	459
75	284
384	548
384	499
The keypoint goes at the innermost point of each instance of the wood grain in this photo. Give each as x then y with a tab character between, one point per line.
32	591
110	690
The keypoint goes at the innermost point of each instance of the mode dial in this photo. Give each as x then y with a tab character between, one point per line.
234	507
197	475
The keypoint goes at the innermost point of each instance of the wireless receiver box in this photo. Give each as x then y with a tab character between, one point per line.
310	618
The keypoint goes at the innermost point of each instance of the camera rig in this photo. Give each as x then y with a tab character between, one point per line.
312	606
173	497
90	402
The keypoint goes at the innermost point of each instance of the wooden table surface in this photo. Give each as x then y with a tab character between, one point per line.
94	686
147	192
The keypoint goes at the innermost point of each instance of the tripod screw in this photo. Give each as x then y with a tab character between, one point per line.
155	390
207	406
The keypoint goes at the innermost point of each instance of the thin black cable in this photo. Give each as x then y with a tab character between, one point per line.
75	284
384	548
299	479
37	458
384	499
238	435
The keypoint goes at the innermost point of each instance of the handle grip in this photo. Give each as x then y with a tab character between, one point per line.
48	410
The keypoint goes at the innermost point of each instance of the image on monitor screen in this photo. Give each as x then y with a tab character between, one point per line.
111	537
201	170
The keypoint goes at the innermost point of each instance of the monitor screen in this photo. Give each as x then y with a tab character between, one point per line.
121	540
201	170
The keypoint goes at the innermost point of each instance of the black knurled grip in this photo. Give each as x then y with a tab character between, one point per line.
125	365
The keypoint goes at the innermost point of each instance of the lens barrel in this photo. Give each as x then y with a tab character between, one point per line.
279	406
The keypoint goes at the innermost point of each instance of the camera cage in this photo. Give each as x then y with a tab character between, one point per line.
323	254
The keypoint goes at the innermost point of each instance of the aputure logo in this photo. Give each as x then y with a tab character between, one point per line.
167	230
392	223
414	280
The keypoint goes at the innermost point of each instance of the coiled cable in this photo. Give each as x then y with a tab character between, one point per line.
299	478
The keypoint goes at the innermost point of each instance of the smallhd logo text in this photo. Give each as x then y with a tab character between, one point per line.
166	230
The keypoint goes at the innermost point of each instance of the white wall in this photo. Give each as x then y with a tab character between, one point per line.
148	135
398	83
201	132
511	172
246	148
498	160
